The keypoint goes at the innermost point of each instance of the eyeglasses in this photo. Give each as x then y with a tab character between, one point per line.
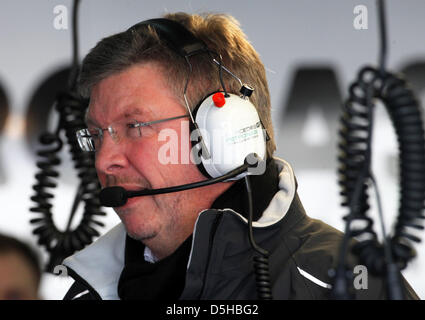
90	139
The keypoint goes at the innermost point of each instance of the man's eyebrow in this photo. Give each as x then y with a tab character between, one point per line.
132	112
127	114
135	112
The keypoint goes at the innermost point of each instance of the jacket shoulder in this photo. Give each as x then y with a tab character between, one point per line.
313	245
316	247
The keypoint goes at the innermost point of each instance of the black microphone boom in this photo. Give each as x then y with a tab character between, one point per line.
117	196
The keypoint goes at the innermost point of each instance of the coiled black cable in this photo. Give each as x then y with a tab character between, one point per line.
355	133
355	174
71	108
61	244
262	277
261	261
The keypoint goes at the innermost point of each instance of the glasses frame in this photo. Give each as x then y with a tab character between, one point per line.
84	133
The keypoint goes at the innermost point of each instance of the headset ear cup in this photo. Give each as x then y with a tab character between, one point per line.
230	131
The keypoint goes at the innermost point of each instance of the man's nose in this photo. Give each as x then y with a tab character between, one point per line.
110	156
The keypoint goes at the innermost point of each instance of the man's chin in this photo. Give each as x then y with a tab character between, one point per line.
141	236
135	229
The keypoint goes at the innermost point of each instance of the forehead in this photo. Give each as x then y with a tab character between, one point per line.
139	90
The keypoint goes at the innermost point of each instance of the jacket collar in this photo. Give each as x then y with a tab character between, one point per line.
281	201
101	263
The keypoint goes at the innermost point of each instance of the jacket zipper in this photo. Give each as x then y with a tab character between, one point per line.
210	245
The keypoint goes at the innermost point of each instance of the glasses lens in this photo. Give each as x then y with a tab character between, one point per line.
91	139
85	140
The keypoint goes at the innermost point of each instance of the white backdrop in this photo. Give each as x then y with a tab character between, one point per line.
287	34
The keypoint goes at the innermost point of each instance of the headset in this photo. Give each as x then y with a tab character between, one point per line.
227	135
221	124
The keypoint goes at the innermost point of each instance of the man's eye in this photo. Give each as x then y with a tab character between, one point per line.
134	130
132	125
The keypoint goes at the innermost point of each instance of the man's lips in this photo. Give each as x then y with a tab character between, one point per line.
130	187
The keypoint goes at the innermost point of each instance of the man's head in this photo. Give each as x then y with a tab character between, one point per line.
19	270
134	76
221	33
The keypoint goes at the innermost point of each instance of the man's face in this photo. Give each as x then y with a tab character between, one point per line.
140	93
17	279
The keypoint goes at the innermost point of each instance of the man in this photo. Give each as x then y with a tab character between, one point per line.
20	272
191	244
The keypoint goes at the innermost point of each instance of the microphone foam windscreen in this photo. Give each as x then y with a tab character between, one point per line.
113	197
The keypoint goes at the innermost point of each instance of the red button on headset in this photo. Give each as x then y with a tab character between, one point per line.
218	99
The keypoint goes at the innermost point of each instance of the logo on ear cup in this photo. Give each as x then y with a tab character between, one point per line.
244	134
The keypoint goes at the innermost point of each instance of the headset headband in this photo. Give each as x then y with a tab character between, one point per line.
177	37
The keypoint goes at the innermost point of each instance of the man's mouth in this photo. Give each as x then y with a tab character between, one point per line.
129	187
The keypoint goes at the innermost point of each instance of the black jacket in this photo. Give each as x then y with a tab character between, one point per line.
302	250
